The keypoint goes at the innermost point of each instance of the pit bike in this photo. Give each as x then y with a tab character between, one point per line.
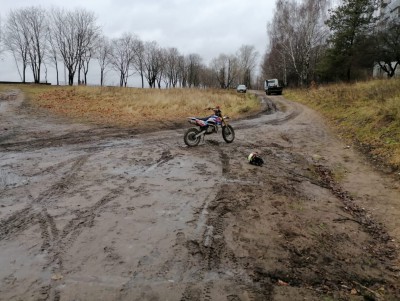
207	126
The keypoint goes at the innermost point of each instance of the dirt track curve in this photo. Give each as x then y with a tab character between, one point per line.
108	214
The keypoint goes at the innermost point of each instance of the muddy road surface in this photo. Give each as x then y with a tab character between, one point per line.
89	213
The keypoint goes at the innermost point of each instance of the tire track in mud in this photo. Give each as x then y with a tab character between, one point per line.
294	111
194	258
289	110
87	136
35	213
209	252
25	218
65	182
58	244
55	242
301	270
53	168
83	219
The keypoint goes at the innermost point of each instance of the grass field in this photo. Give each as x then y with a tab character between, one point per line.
365	113
116	106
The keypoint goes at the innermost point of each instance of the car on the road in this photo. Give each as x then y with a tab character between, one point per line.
241	89
273	86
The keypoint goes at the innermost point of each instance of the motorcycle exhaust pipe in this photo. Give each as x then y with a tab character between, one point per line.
202	133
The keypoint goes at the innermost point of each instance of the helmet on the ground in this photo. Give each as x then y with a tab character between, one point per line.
255	159
251	156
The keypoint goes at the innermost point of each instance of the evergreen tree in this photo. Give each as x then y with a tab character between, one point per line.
350	25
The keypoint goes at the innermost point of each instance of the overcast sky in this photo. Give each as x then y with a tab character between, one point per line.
206	27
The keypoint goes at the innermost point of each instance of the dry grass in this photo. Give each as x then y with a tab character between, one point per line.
130	106
367	113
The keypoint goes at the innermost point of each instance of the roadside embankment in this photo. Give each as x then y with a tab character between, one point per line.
366	114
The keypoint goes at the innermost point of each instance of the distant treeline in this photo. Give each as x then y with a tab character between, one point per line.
69	39
311	41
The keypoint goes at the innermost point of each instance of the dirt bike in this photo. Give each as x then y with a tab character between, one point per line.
207	126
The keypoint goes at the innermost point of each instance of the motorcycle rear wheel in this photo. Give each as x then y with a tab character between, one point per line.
228	133
190	137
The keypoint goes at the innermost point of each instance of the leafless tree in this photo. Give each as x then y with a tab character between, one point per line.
36	29
274	64
161	73
122	56
296	30
172	70
225	68
16	40
207	79
86	57
247	57
193	69
103	54
52	54
138	58
182	71
88	37
74	33
152	62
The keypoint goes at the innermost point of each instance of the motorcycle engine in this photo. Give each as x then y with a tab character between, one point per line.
211	129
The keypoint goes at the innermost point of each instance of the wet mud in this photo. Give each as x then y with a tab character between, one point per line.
90	213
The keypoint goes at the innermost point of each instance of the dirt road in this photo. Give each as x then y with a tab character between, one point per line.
108	214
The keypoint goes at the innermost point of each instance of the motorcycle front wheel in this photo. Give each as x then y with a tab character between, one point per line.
190	137
228	134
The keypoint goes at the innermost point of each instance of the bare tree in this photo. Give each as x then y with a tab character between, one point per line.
274	64
172	70
152	62
103	53
16	40
296	30
122	56
27	32
85	61
182	71
247	56
74	33
36	30
88	36
138	58
225	68
161	72
52	55
194	66
207	78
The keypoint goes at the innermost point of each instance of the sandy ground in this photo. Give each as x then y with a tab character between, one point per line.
92	213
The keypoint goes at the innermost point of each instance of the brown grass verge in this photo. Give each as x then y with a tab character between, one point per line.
128	107
366	113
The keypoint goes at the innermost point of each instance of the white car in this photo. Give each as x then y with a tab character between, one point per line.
273	86
241	89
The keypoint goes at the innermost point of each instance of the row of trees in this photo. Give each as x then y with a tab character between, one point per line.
309	41
36	37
